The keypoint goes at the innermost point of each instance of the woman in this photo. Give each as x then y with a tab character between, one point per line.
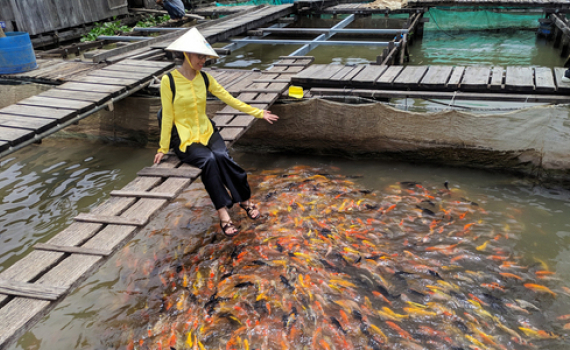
200	143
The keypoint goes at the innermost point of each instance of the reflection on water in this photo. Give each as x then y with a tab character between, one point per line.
42	188
159	288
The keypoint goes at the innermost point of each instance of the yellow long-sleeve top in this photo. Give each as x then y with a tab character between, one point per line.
188	111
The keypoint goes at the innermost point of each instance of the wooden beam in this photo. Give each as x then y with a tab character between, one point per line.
457	95
143	194
29	290
72	250
110	220
191	173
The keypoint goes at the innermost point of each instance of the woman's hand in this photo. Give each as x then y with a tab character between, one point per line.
158	157
270	117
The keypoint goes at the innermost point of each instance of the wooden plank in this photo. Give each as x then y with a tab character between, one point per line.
39	112
242	121
544	79
106	81
560	85
389	75
436	77
71	249
513	97
15	136
29	290
519	78
118	74
95	97
455	78
110	89
476	78
190	173
231	134
341	73
369	74
38	125
143	194
118	67
4	145
109	219
496	78
306	74
222	119
56	103
410	77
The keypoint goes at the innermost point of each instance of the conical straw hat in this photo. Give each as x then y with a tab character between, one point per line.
193	42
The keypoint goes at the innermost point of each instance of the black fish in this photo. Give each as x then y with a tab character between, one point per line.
279	247
337	324
358	260
270	194
357	315
212	303
435	274
371	207
243	285
325	232
179	268
230	317
408	184
385	293
461	326
365	191
446	185
425	211
260	306
260	263
429	202
236	251
285	281
416	293
226	275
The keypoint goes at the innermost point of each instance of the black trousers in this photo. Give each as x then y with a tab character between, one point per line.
219	171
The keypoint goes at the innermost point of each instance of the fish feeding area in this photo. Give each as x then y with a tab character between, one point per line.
335	265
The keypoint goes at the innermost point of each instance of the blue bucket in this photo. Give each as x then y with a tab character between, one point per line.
16	53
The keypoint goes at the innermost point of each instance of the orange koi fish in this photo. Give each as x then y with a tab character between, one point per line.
539	289
400	331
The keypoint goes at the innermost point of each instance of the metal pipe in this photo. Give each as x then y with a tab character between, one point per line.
305	49
326	31
235	46
123	38
154	29
59	127
319	42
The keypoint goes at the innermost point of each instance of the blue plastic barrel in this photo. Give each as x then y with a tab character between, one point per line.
16	53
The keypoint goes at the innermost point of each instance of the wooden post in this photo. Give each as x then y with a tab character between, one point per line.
557	37
390	48
403	48
2	35
565	47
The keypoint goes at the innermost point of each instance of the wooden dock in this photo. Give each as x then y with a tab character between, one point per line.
423	80
33	118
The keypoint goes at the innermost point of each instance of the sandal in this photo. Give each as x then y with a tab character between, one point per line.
226	226
249	209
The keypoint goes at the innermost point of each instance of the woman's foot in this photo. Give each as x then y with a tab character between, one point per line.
251	210
226	224
229	229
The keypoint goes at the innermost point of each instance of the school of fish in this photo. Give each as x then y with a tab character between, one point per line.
331	265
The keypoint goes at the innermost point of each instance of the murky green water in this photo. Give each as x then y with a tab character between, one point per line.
44	186
439	46
112	306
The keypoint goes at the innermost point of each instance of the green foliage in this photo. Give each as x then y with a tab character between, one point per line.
115	27
152	21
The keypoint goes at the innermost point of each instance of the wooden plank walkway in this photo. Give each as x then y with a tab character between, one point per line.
484	79
52	71
221	10
32	118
